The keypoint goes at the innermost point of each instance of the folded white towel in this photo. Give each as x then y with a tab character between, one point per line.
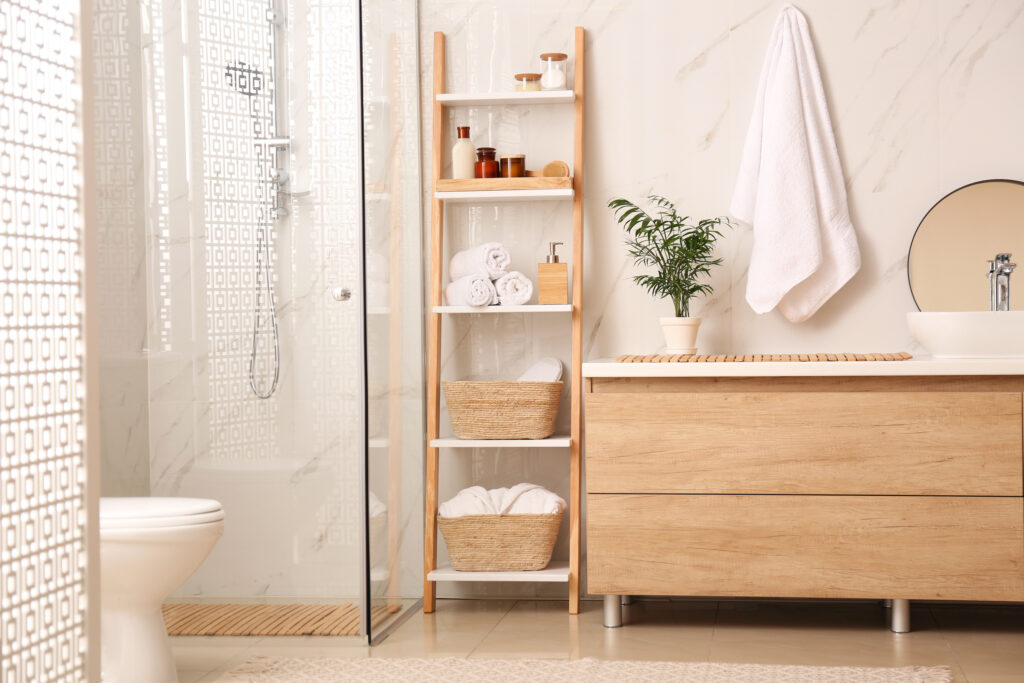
472	290
490	259
521	499
790	184
545	370
514	289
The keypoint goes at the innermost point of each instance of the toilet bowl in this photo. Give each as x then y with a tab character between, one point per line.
148	547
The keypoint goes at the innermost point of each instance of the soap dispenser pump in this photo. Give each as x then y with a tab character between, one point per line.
553	278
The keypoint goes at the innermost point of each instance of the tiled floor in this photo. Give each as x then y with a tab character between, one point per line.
981	643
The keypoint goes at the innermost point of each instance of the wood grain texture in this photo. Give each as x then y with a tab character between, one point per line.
872	443
761	358
790	384
488	184
182	619
919	548
552	283
434	336
576	447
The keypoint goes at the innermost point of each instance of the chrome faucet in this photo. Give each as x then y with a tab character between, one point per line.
999	270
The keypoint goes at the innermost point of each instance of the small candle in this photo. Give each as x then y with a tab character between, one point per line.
527	82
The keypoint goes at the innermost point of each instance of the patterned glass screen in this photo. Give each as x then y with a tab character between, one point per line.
42	470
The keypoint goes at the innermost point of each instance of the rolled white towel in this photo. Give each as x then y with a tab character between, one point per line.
490	259
514	289
475	500
521	499
530	499
545	370
472	290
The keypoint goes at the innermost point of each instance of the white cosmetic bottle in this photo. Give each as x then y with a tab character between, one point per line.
463	156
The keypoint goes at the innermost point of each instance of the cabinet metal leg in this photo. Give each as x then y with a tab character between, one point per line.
612	611
900	618
626	600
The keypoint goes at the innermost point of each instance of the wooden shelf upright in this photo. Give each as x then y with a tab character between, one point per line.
484	191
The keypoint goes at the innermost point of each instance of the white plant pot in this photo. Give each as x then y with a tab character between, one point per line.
680	334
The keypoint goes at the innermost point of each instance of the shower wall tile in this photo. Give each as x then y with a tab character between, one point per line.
922	100
121	247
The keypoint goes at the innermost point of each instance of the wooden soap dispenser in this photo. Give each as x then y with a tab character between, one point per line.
552	278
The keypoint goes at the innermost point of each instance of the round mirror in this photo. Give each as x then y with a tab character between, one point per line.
948	262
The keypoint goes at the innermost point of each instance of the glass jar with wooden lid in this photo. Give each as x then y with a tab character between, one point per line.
527	82
553	70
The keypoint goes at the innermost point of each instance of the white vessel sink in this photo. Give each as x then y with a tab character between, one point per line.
970	334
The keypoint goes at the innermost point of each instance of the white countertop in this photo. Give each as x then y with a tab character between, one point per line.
915	366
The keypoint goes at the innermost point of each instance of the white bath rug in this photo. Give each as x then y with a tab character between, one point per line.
327	670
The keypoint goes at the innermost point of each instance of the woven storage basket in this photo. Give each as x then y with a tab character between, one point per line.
503	410
500	543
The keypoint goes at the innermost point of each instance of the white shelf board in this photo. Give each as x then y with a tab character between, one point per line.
378	310
504	195
378	442
528	308
550	442
556	572
486	99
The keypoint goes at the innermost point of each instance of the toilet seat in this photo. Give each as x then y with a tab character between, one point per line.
151	512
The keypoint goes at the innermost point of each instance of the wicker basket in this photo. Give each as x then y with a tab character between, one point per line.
500	543
503	410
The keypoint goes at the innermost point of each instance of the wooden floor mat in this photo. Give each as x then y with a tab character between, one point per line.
762	357
267	620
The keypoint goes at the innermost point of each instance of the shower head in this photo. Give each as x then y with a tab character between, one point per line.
246	79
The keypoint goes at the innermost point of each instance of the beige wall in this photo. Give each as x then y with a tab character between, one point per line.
924	97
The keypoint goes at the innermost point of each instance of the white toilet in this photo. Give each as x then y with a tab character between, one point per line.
148	547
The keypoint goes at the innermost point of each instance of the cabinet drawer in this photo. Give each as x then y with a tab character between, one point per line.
870	443
914	547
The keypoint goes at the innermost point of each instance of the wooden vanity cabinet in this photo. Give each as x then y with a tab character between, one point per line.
818	487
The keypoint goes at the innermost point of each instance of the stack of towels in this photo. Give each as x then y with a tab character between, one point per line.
480	277
545	370
521	499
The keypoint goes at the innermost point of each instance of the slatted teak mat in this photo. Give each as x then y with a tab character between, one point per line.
266	620
761	357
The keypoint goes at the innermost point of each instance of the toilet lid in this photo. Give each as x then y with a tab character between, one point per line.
121	513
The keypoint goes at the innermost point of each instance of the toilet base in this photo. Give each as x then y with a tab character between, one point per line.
135	647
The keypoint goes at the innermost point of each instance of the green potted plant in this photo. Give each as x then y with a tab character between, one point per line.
681	252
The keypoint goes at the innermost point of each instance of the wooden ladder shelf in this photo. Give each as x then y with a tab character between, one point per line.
482	191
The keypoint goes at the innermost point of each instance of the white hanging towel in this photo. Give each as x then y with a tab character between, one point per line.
790	185
490	259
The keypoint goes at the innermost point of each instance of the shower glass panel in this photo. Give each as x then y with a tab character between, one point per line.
245	354
394	304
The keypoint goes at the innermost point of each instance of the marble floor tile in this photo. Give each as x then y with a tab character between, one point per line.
980	644
825	634
988	640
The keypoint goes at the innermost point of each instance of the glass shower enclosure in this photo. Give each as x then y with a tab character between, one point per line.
260	271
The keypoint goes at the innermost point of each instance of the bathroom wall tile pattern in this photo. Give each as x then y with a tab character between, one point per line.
42	461
121	248
237	100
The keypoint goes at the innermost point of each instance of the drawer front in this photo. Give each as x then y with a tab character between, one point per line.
914	547
866	443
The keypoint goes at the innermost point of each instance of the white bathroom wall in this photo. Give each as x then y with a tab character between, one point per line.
924	97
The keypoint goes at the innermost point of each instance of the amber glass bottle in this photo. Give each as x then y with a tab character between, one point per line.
486	165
